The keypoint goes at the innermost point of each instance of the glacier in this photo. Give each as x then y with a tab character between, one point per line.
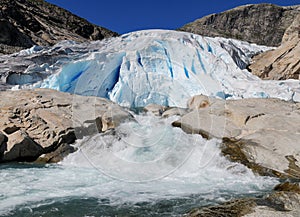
154	66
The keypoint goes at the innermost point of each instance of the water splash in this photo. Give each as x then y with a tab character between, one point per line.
143	162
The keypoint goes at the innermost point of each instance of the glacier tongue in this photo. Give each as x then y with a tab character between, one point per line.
162	67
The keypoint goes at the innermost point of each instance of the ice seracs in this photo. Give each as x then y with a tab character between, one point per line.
163	67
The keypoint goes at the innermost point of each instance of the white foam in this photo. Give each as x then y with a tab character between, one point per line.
151	161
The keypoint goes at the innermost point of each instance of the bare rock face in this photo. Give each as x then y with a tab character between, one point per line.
21	146
113	117
155	109
3	144
284	201
24	23
235	208
263	24
199	101
262	134
163	111
283	62
57	155
45	122
174	112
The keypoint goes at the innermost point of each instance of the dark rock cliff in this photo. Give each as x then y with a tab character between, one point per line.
24	23
262	24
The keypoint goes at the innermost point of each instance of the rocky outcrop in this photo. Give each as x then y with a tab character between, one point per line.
43	123
235	208
263	134
283	202
174	112
283	62
262	24
155	109
164	111
24	23
3	144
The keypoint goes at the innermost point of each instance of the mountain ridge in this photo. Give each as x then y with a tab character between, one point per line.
24	23
263	24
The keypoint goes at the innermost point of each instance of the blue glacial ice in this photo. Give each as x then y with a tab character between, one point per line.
163	67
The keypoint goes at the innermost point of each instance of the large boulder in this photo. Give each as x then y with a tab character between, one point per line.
37	122
263	134
20	146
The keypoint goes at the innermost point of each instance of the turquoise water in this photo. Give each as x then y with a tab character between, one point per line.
79	207
147	168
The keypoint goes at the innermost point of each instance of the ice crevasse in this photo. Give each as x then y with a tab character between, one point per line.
167	68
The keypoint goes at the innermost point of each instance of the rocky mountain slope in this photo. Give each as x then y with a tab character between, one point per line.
24	23
263	24
283	62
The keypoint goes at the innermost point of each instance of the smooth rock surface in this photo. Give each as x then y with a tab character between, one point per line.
263	134
283	62
37	122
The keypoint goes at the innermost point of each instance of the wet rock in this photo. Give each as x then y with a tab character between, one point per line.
235	208
57	155
288	187
3	144
284	202
20	146
113	117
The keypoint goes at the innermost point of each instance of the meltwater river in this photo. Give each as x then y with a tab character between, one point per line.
144	168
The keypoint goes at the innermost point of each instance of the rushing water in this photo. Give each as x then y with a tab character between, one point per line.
144	168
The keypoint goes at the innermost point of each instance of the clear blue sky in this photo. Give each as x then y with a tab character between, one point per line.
129	15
